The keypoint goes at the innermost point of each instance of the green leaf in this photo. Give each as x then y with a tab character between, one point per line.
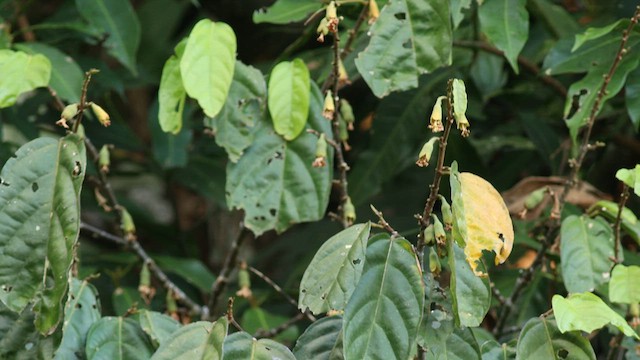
587	312
383	316
40	221
321	340
632	97
595	33
118	20
624	286
159	327
555	17
488	74
540	338
471	294
289	97
117	338
335	270
411	37
19	73
444	341
586	249
192	270
245	105
19	339
631	177
80	312
493	350
169	150
207	64
66	75
286	11
243	346
200	340
506	24
456	11
275	182
171	97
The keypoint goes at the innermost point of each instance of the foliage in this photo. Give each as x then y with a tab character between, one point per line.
178	187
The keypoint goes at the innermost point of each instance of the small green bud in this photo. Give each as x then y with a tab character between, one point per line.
329	106
172	306
428	236
435	121
147	292
447	215
145	275
343	76
438	230
244	281
68	113
463	124
126	224
103	116
434	262
104	159
323	29
349	211
347	113
321	152
425	153
535	198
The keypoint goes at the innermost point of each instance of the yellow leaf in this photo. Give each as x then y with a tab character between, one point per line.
481	218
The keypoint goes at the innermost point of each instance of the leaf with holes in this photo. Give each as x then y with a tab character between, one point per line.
117	338
245	106
39	225
118	20
321	340
540	338
586	249
158	326
21	72
624	286
208	63
243	346
587	312
411	37
80	312
275	183
19	339
286	11
335	270
506	24
289	97
383	316
481	218
197	341
443	339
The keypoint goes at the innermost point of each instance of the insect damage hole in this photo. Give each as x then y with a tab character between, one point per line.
400	16
35	187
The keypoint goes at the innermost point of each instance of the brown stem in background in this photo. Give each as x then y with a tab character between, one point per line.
383	222
260	334
623	201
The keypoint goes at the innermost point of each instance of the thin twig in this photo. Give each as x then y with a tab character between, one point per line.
383	222
230	316
498	295
425	218
83	98
524	62
623	201
280	328
230	262
278	289
153	267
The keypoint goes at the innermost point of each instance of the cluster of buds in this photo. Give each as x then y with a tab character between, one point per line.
321	152
329	22
425	153
435	121
329	107
374	11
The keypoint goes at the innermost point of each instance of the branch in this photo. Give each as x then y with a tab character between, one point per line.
230	263
153	267
279	329
383	222
524	62
623	200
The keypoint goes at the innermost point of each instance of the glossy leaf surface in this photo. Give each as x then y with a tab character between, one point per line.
289	97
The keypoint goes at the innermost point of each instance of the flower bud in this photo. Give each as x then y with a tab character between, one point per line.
104	159
435	121
343	76
428	236
127	225
102	115
349	211
147	292
438	230
434	262
172	306
347	113
447	215
343	130
321	152
425	153
329	106
323	29
244	281
463	124
374	11
535	198
68	113
332	16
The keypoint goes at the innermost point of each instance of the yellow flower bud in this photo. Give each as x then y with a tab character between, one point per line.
438	230
349	211
434	262
447	215
428	236
323	29
425	153
435	121
332	16
343	76
374	11
463	124
102	115
329	106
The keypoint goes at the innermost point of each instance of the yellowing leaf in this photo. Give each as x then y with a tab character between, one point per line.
481	218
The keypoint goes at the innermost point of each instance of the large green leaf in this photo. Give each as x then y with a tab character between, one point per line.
66	75
540	338
243	346
335	270
409	38
286	11
624	286
275	182
191	269
171	97
80	312
158	326
200	340
169	150
321	340
506	24
586	250
471	294
383	316
587	312
19	339
21	72
245	105
457	6
555	17
632	97
400	124
289	97
117	338
39	225
207	64
443	340
118	20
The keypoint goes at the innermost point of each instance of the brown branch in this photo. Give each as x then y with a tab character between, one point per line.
83	98
524	62
95	232
278	329
383	222
230	316
623	201
425	218
230	262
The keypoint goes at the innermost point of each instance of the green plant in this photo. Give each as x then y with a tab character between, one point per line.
286	172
